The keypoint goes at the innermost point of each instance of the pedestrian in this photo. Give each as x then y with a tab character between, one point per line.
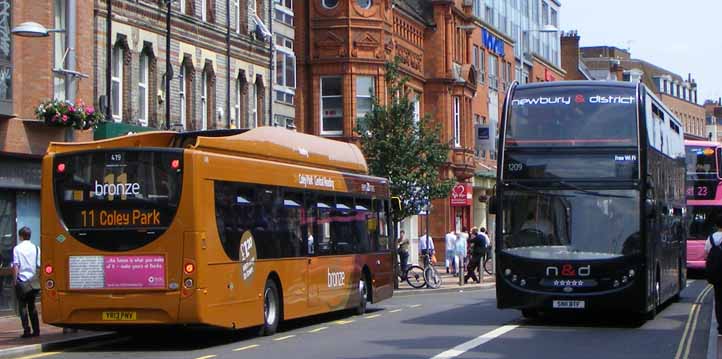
461	250
477	252
26	261
403	250
426	248
450	240
713	268
487	243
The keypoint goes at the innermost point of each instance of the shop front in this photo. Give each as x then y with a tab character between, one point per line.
19	206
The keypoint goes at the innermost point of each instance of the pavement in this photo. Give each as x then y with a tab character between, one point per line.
449	283
50	338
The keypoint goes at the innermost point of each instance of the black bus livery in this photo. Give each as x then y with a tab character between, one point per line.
590	199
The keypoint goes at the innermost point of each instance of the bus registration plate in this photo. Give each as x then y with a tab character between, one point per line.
120	316
568	304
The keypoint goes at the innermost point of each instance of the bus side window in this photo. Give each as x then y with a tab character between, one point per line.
383	231
292	240
361	228
342	234
308	222
234	213
265	227
322	233
372	225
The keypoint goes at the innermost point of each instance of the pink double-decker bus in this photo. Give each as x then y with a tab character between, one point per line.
704	197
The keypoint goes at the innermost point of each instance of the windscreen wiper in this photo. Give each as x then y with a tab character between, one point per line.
591	193
534	190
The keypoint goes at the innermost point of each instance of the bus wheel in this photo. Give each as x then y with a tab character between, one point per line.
271	309
363	293
530	313
657	295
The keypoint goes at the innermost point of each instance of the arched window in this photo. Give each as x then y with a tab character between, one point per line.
208	97
186	93
240	107
117	83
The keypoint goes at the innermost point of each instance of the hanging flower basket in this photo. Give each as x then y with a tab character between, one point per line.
66	114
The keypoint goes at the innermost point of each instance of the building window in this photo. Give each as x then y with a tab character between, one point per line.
417	109
457	121
241	100
493	79
182	6
284	121
204	101
143	69
365	4
364	92
59	49
331	106
182	97
545	13
283	11
329	4
285	70
186	95
237	9
204	10
117	83
477	8
253	106
554	18
489	15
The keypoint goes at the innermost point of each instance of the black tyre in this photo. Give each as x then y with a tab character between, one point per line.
488	266
363	293
657	295
530	313
415	277
433	278
271	309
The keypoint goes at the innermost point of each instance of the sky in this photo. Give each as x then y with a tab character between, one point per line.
680	36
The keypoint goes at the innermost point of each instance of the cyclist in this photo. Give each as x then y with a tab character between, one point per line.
403	250
426	248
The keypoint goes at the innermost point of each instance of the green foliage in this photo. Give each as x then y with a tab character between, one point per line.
409	154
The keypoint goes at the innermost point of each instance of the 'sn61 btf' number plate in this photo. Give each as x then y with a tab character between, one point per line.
569	304
120	316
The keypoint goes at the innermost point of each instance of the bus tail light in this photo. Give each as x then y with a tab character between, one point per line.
189	267
188	283
175	164
61	167
49	269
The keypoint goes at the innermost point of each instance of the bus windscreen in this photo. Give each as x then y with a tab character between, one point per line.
701	162
565	116
117	200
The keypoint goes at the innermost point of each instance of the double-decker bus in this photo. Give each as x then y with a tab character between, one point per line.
590	204
211	228
704	197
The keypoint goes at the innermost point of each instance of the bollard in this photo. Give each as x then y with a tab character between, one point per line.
460	270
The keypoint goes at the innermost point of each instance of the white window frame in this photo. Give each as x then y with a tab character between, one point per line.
182	6
143	75
253	106
59	48
204	10
204	100
457	121
117	78
417	109
279	5
287	55
321	97
237	7
369	96
237	105
182	96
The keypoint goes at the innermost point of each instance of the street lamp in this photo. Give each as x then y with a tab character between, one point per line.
33	29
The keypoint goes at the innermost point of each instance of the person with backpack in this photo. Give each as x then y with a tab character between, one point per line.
713	268
26	261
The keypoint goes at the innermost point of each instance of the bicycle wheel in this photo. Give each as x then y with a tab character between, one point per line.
488	266
433	278
415	277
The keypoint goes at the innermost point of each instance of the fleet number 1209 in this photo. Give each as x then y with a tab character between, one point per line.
515	166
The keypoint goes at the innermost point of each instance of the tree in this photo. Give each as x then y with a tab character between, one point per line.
407	152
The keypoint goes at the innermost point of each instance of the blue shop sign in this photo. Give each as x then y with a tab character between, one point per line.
492	42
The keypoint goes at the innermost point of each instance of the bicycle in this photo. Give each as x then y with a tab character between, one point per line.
413	275
488	264
431	275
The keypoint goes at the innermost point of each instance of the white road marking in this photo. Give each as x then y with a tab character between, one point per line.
415	306
246	347
395	310
284	338
372	316
317	330
471	344
342	322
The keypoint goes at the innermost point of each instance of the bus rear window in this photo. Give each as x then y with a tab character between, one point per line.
117	200
572	116
701	161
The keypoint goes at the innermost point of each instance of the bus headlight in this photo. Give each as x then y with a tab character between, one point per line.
507	272
625	279
522	282
616	283
514	278
631	273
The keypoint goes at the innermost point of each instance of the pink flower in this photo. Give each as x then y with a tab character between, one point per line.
71	108
65	118
90	110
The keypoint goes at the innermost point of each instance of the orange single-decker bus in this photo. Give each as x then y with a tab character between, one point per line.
224	228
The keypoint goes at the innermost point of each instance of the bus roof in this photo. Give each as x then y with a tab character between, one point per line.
269	143
284	145
530	85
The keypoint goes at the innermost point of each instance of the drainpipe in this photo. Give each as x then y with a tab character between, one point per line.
271	63
70	79
108	60
228	63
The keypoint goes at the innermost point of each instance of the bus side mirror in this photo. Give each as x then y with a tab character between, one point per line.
396	204
649	208
492	205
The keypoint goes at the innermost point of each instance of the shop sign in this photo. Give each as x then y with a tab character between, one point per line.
485	136
493	43
461	194
549	76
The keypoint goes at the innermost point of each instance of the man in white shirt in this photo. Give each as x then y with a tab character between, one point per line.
26	261
426	246
450	240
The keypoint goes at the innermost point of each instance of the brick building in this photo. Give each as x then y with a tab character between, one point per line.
713	118
615	64
27	79
220	55
458	78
